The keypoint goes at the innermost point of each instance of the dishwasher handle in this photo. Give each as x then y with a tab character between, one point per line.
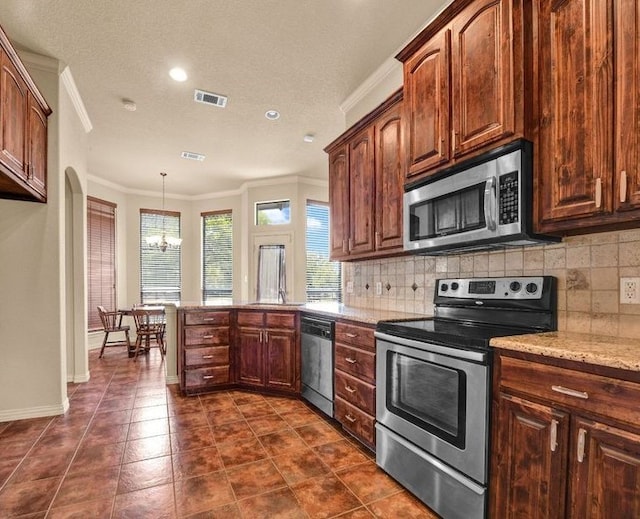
317	327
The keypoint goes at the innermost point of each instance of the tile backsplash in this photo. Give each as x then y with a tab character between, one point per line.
588	268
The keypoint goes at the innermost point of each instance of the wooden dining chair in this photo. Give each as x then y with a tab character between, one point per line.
150	327
112	323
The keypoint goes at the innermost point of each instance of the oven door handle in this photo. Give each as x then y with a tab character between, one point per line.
480	357
490	203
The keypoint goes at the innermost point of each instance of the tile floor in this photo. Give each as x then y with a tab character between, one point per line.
130	446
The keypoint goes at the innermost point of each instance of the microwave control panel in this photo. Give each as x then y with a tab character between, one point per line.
508	210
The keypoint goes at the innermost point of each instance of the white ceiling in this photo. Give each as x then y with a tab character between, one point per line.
301	57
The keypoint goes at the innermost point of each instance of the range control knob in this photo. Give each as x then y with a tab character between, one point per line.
455	286
515	286
532	288
444	287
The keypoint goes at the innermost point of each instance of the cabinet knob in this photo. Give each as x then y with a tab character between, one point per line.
623	187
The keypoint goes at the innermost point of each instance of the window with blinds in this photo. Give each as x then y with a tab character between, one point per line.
323	276
159	271
101	258
217	257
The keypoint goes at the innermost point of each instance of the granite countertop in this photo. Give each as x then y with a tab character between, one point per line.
334	310
601	350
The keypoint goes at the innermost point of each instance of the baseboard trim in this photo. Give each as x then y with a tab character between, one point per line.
172	379
34	412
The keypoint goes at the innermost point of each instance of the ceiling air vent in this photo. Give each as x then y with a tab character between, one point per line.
192	156
209	98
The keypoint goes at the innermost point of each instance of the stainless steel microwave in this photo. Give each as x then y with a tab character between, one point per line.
483	203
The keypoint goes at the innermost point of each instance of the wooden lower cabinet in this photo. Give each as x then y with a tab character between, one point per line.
576	455
250	356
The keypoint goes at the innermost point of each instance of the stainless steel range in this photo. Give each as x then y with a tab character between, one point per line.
433	386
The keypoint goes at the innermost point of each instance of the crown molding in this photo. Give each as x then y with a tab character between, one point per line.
71	88
40	62
369	84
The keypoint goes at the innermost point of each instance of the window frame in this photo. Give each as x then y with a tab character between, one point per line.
204	288
267	202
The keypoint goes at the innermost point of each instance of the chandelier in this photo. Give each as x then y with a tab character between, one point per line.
163	242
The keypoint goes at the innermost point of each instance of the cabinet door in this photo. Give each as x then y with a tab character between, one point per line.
339	202
482	75
576	111
37	147
362	192
626	192
426	105
389	180
281	366
250	356
13	118
605	469
529	462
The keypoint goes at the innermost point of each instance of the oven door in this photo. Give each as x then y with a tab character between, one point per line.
437	398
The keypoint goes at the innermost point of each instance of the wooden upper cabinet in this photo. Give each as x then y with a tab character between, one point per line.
37	147
361	187
339	201
389	179
426	105
13	118
482	75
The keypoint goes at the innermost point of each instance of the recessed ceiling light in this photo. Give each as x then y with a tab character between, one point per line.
309	137
178	74
272	115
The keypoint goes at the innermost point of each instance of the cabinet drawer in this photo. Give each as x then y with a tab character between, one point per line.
255	319
280	320
356	392
355	335
212	356
194	335
360	424
610	397
217	318
205	377
358	363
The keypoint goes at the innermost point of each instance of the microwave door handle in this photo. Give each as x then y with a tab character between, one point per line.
490	203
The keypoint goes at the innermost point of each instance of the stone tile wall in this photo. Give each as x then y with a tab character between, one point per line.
588	268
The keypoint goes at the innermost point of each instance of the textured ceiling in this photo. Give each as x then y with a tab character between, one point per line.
301	57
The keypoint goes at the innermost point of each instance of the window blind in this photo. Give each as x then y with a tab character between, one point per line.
217	257
101	258
324	279
159	271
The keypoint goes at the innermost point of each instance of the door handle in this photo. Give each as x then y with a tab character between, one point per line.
598	192
623	187
489	203
582	437
553	440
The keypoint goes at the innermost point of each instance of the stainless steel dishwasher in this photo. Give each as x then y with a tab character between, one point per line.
317	362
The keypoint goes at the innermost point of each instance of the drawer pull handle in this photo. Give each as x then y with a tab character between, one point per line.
207	377
209	319
207	356
554	435
350	360
350	389
570	392
582	436
351	335
207	336
350	418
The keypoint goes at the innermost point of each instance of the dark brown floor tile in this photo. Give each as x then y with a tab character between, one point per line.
112	417
184	405
255	478
100	509
358	513
157	502
196	462
187	421
7	466
244	398
267	424
255	410
115	404
400	505
147	448
240	452
150	400
67	421
368	482
105	433
232	432
149	413
222	416
340	454
144	474
87	486
59	443
281	504
148	428
28	497
41	467
96	457
202	493
29	429
281	441
15	448
300	418
300	464
325	497
222	512
191	439
318	433
217	401
287	405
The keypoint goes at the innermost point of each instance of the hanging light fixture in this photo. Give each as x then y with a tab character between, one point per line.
163	242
